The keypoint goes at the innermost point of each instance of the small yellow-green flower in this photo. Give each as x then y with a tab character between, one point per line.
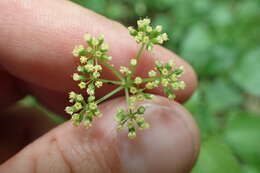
83	59
98	84
133	62
138	80
82	85
93	106
149	85
152	73
87	37
76	77
133	90
78	50
78	106
125	70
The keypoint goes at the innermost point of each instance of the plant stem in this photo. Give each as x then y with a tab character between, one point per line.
109	94
140	52
137	57
113	70
127	98
111	81
124	121
105	81
149	79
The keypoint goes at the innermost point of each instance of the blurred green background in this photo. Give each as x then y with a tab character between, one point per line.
220	38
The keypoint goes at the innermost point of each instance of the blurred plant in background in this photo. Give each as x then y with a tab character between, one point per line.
221	39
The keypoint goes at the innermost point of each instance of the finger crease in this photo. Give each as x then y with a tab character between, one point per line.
63	157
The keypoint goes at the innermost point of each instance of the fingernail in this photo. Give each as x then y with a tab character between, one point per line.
167	146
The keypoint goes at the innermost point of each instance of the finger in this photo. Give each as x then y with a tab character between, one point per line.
170	145
20	125
38	36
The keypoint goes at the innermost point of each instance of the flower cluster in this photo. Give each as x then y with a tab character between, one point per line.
148	35
82	111
75	109
132	120
89	58
96	49
90	111
166	75
88	76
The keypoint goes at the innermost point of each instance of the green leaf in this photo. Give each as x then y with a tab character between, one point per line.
196	108
205	120
95	5
196	47
163	20
202	6
140	8
220	95
223	59
248	9
250	169
116	11
221	15
246	74
210	99
243	135
160	5
216	157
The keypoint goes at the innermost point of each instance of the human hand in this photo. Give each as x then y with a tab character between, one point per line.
36	40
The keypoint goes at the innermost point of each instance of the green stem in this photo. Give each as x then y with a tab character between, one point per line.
109	94
124	121
113	70
111	81
127	98
151	79
138	55
104	80
140	52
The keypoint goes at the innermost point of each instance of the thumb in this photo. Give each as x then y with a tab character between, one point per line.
170	145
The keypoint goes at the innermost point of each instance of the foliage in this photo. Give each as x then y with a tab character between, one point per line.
223	160
220	38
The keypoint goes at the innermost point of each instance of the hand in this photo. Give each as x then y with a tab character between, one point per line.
35	58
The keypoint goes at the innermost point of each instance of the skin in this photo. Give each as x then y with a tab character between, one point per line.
35	58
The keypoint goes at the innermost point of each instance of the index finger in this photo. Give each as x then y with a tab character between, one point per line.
38	36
